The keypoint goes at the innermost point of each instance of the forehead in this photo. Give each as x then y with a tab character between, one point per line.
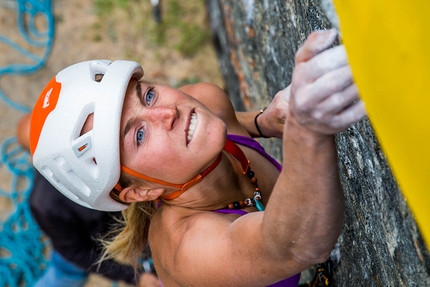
132	104
131	95
131	101
132	88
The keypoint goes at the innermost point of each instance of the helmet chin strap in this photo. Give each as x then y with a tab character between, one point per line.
229	147
181	187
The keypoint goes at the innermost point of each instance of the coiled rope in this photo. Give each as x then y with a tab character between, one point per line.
22	244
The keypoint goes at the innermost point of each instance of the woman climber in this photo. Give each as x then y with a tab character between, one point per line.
176	161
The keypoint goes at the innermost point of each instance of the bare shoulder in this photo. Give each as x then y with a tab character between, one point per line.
216	100
209	94
181	221
184	237
205	237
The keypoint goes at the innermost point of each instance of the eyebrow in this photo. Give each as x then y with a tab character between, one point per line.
132	120
138	90
128	127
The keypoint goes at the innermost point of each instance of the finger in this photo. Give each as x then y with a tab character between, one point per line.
318	66
339	101
325	62
350	115
316	42
309	96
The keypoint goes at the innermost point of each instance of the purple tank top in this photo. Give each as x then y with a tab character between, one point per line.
292	281
255	145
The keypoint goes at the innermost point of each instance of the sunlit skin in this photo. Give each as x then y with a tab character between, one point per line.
165	129
154	126
304	215
212	97
194	246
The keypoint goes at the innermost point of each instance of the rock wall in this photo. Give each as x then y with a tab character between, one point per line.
256	41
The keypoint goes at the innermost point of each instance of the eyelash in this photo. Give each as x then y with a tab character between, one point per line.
139	142
144	97
145	102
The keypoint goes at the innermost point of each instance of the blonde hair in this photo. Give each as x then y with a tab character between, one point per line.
126	240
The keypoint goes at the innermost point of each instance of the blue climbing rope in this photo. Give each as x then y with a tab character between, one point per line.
27	12
22	244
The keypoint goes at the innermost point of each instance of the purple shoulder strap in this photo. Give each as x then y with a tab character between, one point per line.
231	211
255	145
293	281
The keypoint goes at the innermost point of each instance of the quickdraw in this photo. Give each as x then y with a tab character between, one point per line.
323	275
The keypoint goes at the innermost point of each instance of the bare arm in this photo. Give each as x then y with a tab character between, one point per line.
324	100
304	215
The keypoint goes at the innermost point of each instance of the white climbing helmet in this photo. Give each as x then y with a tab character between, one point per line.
85	168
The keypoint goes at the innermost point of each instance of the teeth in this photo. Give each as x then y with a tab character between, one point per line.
192	127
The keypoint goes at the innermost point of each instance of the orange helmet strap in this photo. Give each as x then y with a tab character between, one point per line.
229	147
181	187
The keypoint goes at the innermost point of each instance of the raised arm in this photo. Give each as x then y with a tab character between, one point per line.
304	215
323	101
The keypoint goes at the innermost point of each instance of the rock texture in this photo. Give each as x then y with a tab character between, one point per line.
256	42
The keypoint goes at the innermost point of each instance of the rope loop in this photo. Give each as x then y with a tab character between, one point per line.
23	246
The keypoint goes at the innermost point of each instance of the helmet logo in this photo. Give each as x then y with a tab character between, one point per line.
45	104
46	99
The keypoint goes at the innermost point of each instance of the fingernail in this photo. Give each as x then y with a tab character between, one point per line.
327	37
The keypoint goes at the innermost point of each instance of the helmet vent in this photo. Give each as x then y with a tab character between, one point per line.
98	69
98	77
66	171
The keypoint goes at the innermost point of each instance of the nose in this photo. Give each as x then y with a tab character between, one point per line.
164	116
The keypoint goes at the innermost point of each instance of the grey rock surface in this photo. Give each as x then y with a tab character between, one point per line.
256	42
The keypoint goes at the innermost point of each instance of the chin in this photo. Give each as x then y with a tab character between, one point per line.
219	140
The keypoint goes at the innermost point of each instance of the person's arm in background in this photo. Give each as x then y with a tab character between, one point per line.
73	229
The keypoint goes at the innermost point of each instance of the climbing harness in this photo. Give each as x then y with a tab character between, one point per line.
324	271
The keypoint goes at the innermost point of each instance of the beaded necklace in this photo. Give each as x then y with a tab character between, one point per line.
234	150
229	147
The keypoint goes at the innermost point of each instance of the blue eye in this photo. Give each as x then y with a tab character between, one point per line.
149	96
140	136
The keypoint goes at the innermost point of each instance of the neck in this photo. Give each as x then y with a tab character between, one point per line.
184	187
226	183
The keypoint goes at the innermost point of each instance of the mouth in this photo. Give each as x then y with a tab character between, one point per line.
191	127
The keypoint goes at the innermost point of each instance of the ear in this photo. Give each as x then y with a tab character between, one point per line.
155	193
135	194
132	194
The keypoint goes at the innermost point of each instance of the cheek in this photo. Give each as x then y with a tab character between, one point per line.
163	159
157	161
216	132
